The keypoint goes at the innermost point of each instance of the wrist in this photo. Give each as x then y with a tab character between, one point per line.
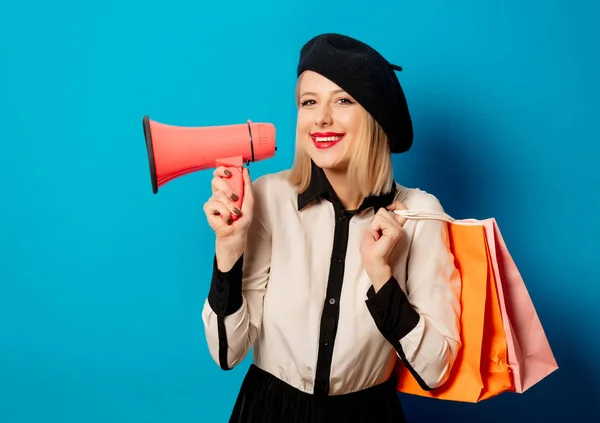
228	254
379	275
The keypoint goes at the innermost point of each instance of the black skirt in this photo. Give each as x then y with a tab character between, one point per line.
264	398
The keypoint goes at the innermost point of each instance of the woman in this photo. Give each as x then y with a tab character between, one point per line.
318	274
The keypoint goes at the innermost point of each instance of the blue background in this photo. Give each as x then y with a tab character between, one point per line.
102	282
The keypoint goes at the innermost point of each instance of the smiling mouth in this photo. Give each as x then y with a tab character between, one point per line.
326	140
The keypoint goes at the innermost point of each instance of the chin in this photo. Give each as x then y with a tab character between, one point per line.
331	163
332	158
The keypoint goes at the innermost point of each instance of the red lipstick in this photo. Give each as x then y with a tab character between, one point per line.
326	139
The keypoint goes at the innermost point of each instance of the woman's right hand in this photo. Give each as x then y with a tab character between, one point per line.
230	234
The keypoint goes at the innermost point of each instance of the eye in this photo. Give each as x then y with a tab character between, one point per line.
307	103
345	101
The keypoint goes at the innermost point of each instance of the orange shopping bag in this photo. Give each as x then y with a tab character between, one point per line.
481	370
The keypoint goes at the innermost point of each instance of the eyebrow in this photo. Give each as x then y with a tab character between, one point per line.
311	93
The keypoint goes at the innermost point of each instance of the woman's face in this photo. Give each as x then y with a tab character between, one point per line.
329	121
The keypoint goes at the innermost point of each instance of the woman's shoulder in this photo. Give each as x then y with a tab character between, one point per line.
417	199
273	185
278	181
273	194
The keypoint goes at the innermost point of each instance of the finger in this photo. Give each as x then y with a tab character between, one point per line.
221	172
378	225
219	184
385	225
390	217
376	234
401	220
221	197
385	214
248	202
246	178
379	230
217	212
398	220
397	205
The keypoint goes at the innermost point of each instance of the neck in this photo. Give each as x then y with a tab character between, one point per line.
349	196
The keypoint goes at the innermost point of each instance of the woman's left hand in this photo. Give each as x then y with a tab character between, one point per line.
379	241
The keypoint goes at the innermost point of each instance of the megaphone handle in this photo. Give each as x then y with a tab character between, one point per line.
235	165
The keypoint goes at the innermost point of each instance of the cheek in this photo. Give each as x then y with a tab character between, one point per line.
349	119
304	121
303	127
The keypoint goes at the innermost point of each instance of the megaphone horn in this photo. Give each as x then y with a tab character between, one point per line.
175	151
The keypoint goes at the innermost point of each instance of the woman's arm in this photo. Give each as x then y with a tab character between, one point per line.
423	324
232	313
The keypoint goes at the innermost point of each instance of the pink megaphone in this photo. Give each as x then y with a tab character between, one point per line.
174	151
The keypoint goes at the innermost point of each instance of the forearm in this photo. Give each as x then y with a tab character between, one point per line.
422	318
420	342
232	313
228	338
225	316
228	252
379	275
225	292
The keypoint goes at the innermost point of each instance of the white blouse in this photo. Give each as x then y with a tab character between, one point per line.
301	298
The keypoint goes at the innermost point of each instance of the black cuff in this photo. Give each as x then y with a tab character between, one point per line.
393	314
225	294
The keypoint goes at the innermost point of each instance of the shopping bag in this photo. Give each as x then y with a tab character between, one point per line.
530	356
527	357
481	368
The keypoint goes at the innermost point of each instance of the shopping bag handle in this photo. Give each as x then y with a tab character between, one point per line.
425	215
435	215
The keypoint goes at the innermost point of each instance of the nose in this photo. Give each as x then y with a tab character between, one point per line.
324	117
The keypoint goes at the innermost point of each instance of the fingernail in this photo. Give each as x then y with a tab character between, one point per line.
227	173
234	197
229	221
236	210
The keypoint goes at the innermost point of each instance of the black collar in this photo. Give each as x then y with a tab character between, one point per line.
319	187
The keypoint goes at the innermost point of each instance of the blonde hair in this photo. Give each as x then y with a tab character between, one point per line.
370	164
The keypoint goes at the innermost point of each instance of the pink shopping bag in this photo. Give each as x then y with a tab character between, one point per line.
529	354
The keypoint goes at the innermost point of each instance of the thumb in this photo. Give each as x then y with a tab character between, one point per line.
248	201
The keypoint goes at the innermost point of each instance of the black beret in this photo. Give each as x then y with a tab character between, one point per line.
368	77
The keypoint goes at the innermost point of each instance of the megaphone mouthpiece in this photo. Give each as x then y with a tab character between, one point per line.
262	140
